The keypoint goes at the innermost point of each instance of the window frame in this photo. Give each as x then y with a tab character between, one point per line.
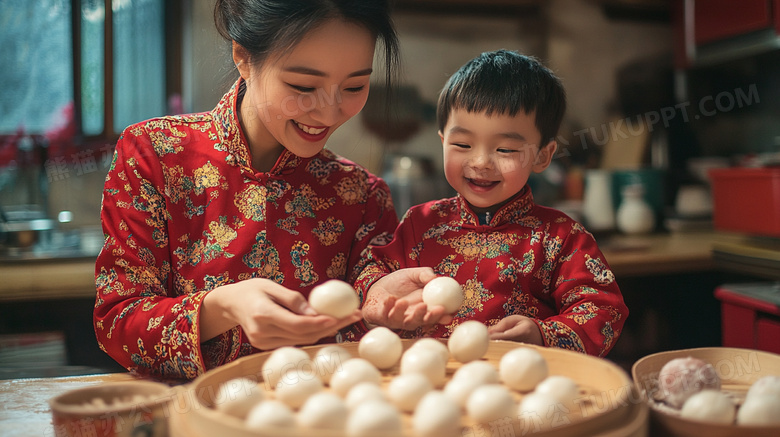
173	24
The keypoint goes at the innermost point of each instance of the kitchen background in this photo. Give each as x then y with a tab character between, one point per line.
643	97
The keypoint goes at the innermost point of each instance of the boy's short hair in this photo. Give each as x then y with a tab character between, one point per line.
505	82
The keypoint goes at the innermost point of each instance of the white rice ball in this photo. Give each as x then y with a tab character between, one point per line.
766	385
365	392
328	361
490	402
280	361
459	390
406	390
323	410
436	415
375	418
522	369
353	372
334	298
711	406
444	291
481	371
270	414
435	344
760	410
469	341
295	388
561	388
237	396
427	362
539	409
381	347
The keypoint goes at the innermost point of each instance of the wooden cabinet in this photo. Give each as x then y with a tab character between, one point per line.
715	20
711	31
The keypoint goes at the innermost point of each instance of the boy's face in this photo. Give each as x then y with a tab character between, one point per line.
488	159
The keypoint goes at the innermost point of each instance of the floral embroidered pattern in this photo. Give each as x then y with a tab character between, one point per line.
527	262
265	258
185	213
328	230
351	191
251	202
338	266
305	203
558	334
303	266
601	274
521	303
474	245
516	268
475	295
216	239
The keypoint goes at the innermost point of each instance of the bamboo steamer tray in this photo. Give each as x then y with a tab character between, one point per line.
608	405
737	368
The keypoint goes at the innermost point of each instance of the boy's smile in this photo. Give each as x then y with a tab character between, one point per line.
481	184
488	158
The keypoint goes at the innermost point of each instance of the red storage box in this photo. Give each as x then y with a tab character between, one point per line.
750	315
746	200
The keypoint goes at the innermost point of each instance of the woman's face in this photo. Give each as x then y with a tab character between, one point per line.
297	99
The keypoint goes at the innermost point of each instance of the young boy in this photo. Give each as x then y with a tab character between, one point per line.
530	273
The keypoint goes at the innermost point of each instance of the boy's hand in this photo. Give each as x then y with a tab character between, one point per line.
395	301
517	328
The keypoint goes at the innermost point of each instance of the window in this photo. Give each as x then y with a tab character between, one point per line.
37	59
99	64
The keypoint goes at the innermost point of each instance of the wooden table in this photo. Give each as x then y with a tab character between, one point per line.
663	253
24	407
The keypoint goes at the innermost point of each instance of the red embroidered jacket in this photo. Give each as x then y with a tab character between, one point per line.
183	212
529	260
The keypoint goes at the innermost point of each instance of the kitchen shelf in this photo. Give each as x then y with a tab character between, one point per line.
488	7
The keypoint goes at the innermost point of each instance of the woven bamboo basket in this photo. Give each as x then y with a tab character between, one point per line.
738	370
609	405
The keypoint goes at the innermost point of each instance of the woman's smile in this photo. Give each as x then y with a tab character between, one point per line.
311	133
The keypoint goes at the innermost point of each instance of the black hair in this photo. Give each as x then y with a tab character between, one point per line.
505	82
266	27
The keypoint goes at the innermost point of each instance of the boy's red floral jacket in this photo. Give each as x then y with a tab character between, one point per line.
529	260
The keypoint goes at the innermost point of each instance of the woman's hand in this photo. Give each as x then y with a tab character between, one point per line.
395	301
270	315
517	328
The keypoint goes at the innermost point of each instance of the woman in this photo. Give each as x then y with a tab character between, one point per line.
219	224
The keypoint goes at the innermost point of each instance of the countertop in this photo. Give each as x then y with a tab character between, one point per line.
47	279
663	253
24	403
651	254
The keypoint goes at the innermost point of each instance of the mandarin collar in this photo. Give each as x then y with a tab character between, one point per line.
232	139
514	210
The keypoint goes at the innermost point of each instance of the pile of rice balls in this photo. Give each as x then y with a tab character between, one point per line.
340	393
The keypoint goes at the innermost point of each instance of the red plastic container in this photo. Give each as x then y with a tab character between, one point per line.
746	200
750	315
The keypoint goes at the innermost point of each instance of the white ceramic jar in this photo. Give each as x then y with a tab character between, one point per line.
634	215
597	209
